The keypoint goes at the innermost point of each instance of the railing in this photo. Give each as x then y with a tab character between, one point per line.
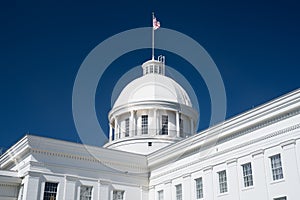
149	132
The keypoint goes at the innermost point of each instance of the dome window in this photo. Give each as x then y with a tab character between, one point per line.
164	125
154	66
127	127
144	124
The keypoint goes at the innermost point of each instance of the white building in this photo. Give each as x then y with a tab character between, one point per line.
153	152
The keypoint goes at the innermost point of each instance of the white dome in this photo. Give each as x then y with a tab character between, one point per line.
153	87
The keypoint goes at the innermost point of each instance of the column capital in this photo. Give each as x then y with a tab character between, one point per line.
288	144
208	168
33	174
104	182
231	162
258	153
188	175
151	187
71	178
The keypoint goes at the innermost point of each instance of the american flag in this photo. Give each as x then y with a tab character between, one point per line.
156	24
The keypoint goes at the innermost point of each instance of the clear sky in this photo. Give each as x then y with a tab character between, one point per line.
255	45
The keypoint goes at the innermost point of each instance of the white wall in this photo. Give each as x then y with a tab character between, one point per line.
255	147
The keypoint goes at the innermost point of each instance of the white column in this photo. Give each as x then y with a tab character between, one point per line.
151	192
187	187
233	181
98	191
131	124
208	186
168	190
144	193
104	190
70	188
155	130
110	132
290	168
31	186
259	174
192	126
158	122
177	124
135	123
116	129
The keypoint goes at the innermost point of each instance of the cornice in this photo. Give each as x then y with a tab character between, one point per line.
89	159
143	139
15	153
272	134
41	172
154	104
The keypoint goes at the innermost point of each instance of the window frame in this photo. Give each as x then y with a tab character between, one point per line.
127	124
117	191
49	191
247	175
164	125
151	69
223	187
199	188
90	195
160	195
178	189
181	128
144	124
276	167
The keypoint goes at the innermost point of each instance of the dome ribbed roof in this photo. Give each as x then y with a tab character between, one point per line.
153	87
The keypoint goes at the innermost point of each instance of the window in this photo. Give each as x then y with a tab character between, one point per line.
178	192
247	175
127	127
181	127
155	68
276	167
118	195
160	195
86	192
199	188
144	124
50	191
20	196
280	198
151	69
222	181
164	124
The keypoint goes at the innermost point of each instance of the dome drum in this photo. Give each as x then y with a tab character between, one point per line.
151	112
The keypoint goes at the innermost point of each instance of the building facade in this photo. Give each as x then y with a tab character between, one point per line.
154	152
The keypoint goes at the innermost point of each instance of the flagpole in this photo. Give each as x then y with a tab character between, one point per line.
152	37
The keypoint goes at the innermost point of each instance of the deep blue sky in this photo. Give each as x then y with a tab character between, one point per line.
255	45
